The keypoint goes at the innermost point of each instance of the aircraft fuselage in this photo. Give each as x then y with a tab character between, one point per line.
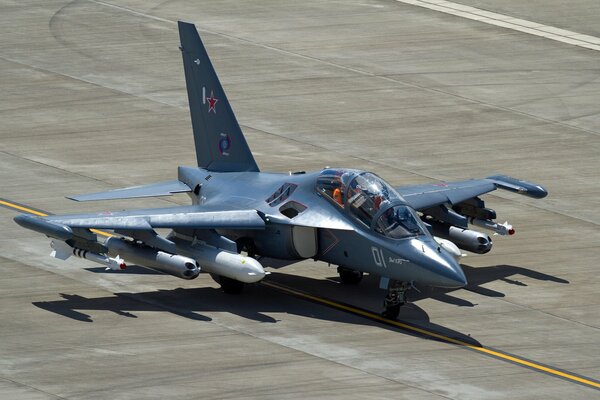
332	234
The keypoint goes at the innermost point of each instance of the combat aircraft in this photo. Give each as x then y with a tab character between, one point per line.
350	218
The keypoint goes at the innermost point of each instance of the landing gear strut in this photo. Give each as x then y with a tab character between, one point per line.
246	245
395	298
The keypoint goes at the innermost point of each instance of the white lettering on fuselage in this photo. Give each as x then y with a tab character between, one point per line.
397	260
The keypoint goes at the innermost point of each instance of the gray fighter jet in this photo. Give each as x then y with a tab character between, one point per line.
341	216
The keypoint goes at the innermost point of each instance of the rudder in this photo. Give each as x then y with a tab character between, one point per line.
220	143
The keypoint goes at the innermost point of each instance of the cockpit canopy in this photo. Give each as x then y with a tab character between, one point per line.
367	197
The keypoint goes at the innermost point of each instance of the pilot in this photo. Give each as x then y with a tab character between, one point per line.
377	202
337	196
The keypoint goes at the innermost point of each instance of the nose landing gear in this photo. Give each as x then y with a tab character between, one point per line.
395	298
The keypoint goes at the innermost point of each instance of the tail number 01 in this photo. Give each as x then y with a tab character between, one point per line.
378	257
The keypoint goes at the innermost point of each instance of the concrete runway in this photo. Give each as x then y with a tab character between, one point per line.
93	98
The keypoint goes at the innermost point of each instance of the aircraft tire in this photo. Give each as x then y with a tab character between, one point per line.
231	286
391	312
349	276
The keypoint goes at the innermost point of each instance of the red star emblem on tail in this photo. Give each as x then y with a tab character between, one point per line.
211	103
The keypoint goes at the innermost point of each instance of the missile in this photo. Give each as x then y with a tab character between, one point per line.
501	229
225	263
62	251
212	259
217	261
172	264
465	239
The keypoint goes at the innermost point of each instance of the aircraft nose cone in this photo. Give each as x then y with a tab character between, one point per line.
438	268
452	275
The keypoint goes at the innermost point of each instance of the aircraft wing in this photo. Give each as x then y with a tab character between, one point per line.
185	217
165	188
422	197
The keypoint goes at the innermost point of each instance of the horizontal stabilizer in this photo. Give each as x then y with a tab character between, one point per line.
166	188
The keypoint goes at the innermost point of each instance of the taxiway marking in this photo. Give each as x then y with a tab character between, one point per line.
459	10
506	21
376	317
22	208
427	333
29	210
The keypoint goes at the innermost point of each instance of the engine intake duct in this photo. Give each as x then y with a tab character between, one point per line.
466	239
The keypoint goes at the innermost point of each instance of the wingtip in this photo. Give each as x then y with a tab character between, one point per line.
529	189
42	225
22	219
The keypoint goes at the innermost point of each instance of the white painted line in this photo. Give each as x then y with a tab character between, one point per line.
468	12
505	21
129	10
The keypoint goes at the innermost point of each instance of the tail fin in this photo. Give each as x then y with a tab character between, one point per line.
220	143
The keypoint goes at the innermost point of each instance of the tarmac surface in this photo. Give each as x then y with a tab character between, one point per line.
93	98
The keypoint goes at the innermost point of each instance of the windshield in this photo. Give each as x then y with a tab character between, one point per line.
364	194
399	222
367	194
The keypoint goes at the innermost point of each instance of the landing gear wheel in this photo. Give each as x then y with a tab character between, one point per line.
395	298
231	286
349	276
392	312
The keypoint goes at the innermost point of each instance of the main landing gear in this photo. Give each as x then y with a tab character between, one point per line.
395	298
349	276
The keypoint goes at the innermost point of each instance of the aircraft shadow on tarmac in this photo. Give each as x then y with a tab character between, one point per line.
477	276
258	301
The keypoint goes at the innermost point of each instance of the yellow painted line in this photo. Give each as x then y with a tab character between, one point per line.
42	214
386	321
106	234
425	332
21	208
